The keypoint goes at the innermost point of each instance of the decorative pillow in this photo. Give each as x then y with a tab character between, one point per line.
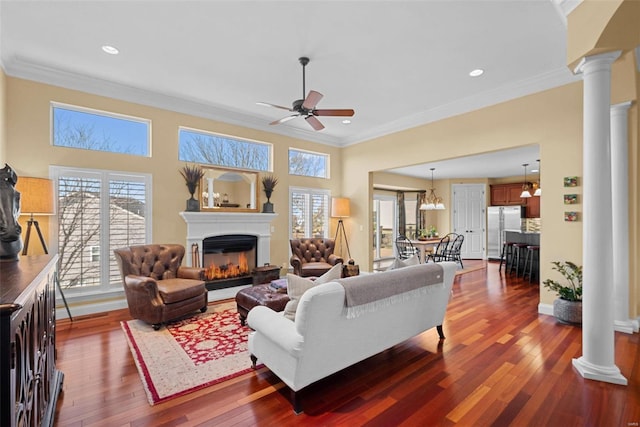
399	263
296	286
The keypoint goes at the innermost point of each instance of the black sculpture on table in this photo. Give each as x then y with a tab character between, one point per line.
10	237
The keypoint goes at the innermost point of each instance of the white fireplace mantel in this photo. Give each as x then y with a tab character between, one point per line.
208	224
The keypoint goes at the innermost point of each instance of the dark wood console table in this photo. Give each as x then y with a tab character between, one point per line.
29	380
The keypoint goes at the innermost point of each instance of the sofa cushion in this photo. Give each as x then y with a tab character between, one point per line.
399	263
296	286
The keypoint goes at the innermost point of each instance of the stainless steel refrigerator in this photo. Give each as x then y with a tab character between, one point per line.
499	219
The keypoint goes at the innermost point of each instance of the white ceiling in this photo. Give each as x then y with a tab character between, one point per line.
399	64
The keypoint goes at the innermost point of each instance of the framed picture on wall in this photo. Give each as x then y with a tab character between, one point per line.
570	199
571	216
570	181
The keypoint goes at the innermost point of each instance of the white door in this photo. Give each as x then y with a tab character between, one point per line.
469	207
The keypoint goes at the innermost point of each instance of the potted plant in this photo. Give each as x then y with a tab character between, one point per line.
268	184
192	176
568	307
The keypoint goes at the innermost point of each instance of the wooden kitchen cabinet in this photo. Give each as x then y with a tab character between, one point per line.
506	195
533	207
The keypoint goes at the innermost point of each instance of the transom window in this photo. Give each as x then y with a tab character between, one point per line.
88	129
308	163
220	150
309	212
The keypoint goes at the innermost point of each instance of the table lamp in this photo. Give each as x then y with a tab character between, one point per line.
340	208
36	198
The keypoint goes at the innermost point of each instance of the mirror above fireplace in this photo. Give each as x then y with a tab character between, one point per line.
228	190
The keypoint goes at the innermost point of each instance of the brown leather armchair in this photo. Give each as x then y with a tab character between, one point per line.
157	287
313	256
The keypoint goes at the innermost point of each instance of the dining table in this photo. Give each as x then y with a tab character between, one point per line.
424	245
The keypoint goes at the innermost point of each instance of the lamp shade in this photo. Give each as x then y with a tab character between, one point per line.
36	195
340	207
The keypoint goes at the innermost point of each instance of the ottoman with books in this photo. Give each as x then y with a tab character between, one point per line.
266	295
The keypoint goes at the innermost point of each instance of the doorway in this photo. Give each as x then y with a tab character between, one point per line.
469	208
384	226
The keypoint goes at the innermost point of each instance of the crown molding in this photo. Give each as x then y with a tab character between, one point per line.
31	70
555	78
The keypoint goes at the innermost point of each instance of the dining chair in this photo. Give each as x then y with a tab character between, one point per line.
404	247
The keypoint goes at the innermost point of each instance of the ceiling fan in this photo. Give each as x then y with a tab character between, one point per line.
307	107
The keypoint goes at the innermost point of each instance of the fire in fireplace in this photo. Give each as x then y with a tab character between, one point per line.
229	259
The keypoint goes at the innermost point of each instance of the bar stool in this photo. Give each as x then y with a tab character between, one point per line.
516	257
532	251
505	255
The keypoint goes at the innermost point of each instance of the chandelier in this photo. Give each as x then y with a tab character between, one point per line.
525	186
432	202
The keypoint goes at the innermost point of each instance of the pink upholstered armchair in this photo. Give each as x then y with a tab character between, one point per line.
313	256
157	287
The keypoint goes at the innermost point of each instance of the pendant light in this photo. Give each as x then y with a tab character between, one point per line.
538	191
432	202
525	187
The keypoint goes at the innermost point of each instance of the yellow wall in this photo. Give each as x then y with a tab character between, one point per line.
30	154
3	118
551	119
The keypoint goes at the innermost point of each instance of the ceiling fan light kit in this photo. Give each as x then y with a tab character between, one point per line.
306	107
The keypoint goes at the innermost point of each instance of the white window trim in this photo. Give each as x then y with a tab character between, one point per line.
55	104
317	153
310	191
84	294
232	137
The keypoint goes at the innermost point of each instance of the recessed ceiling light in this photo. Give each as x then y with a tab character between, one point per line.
346	121
477	72
535	170
110	50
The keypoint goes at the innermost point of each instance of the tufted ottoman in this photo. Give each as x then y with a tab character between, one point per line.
248	298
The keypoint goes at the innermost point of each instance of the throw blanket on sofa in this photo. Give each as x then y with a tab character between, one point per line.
367	293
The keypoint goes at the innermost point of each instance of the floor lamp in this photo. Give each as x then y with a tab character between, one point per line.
36	198
340	208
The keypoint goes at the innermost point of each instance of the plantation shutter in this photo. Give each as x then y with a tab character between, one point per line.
98	211
309	213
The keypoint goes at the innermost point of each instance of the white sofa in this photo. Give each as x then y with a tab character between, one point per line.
325	338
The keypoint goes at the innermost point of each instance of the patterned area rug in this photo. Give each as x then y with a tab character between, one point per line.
189	354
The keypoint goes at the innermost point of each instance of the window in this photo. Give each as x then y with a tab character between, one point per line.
78	127
97	212
309	212
220	150
94	253
307	163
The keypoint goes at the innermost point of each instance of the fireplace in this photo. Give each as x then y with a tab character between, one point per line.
203	225
229	260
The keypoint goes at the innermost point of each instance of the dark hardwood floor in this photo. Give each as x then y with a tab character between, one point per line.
501	364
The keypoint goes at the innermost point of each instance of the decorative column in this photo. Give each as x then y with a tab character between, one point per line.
620	209
597	361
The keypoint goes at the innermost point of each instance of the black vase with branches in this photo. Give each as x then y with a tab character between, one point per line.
192	176
268	184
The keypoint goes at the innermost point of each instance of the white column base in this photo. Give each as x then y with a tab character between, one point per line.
626	326
609	374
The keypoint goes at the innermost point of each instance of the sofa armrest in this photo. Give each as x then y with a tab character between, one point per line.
142	286
296	263
276	328
334	259
190	273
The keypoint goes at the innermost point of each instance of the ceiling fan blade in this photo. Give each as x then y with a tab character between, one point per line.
312	100
266	104
334	112
284	119
315	123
